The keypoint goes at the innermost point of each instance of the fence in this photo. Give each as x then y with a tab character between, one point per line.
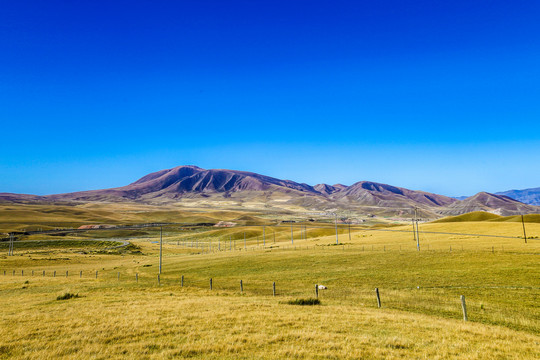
482	302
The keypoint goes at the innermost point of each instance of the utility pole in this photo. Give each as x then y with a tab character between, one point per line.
10	251
413	228
160	246
417	232
337	238
522	223
292	239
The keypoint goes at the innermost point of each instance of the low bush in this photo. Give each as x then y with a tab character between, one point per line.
67	296
309	301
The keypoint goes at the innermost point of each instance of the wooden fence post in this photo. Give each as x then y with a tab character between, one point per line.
66	273
22	272
137	277
118	277
54	273
378	297
80	274
241	286
317	291
464	307
210	283
274	289
158	280
43	273
182	281
96	274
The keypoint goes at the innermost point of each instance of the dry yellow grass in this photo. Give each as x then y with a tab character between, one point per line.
173	322
420	318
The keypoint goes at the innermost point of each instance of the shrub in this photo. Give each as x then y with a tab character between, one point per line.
309	301
67	296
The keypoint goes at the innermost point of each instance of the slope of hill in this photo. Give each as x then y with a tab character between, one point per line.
20	198
527	196
495	204
473	216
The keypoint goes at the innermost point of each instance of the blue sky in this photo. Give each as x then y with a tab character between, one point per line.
430	95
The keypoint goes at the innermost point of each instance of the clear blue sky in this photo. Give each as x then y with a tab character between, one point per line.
442	96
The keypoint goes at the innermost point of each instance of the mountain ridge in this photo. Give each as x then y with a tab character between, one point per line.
529	196
492	203
191	184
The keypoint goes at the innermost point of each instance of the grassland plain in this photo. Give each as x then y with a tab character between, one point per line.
117	316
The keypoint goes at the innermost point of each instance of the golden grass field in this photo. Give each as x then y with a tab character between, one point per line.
119	317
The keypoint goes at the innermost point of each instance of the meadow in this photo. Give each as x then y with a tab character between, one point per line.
126	311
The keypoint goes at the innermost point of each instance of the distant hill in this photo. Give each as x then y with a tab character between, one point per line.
10	197
495	204
382	195
527	196
232	189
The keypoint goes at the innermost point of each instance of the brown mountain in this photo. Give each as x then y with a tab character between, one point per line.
220	187
191	180
193	186
371	193
329	189
496	204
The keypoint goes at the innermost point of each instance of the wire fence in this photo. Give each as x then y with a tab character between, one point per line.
495	305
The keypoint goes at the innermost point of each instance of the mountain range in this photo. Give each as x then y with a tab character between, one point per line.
527	196
197	187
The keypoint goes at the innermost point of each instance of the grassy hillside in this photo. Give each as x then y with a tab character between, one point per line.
485	216
33	217
118	317
473	216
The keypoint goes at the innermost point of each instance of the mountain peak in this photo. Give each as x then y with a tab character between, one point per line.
529	196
